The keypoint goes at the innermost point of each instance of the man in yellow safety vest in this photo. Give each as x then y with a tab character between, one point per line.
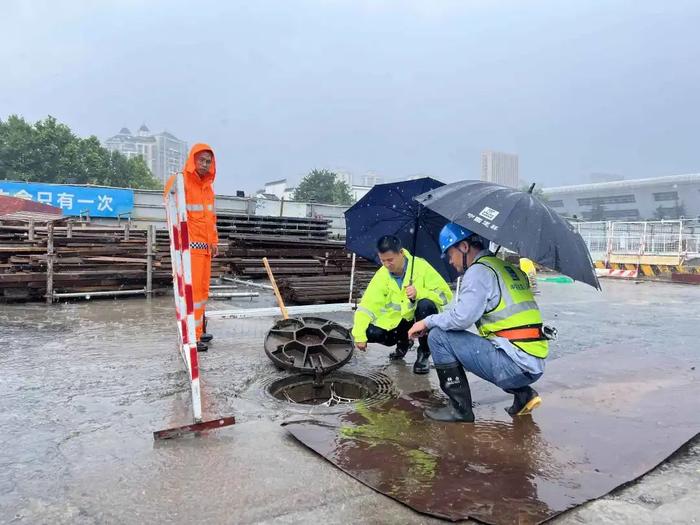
403	290
511	349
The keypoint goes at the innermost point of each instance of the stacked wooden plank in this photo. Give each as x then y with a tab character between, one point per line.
309	267
288	255
91	258
323	289
82	257
303	227
220	265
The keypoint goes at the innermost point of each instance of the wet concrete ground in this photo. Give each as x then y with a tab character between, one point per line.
85	384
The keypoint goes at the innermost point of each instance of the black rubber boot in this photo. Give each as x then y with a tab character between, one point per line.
401	350
202	347
525	400
453	381
205	338
422	364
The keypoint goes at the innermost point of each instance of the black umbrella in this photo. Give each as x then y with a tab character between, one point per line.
516	220
390	209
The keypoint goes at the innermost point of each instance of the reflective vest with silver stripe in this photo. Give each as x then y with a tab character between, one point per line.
384	304
199	207
516	309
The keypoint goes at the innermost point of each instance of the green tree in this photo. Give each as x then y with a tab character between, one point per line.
324	187
49	151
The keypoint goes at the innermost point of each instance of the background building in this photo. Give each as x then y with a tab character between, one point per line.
163	153
500	168
604	177
668	197
368	180
276	189
363	185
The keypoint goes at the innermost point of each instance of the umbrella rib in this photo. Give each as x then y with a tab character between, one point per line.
408	206
396	210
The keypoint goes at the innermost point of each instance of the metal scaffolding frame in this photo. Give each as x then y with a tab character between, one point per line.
679	238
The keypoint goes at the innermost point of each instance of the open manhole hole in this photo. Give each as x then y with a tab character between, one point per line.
336	388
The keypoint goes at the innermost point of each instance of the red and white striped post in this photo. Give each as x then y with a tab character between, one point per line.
176	213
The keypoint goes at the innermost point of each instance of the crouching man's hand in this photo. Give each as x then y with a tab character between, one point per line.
418	330
361	346
411	292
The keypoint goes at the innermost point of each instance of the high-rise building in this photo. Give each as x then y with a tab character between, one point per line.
163	153
500	168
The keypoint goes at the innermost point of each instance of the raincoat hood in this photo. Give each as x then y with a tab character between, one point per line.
191	168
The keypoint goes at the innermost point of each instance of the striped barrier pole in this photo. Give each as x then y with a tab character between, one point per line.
176	213
609	272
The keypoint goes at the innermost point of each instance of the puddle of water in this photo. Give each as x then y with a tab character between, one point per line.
604	426
86	383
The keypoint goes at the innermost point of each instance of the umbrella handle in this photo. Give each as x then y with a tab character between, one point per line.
415	242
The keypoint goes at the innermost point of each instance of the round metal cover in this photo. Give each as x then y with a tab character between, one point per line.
310	345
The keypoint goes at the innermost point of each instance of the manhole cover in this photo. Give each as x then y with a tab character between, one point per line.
309	344
337	388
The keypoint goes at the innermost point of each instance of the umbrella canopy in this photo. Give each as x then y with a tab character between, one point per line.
516	220
390	209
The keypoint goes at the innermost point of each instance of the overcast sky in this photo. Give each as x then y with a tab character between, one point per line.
393	87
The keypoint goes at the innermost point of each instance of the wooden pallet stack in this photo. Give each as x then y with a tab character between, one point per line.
323	289
47	259
63	258
309	267
255	225
220	265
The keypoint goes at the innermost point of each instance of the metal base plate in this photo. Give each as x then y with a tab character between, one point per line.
177	432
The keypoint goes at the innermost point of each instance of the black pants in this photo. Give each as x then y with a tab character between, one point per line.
399	335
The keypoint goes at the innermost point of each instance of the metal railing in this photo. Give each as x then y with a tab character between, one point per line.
679	238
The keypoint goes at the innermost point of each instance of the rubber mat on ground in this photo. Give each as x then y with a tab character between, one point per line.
608	417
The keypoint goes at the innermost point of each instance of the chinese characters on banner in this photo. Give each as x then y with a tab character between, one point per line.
74	200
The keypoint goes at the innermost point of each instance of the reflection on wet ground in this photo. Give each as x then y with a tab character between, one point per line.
586	440
84	385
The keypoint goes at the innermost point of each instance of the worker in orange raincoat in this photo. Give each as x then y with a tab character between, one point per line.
199	174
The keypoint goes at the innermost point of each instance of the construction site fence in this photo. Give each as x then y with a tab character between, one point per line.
661	238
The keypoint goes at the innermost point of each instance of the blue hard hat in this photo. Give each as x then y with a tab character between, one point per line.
451	234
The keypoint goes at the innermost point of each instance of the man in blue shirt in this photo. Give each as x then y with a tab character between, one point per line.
511	350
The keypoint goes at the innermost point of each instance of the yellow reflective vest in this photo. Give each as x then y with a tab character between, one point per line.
384	304
516	311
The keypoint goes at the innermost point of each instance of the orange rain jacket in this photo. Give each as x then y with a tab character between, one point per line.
199	194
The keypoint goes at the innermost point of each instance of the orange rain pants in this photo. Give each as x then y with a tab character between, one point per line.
201	224
201	275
